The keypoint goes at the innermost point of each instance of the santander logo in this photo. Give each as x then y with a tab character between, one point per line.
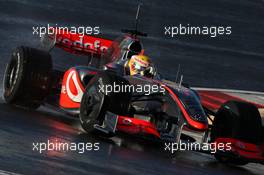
76	97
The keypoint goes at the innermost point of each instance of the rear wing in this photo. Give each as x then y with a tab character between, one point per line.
75	43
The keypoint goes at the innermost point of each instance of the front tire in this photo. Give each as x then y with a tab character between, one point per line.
239	120
95	103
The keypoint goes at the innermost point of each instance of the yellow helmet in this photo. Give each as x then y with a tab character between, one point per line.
138	63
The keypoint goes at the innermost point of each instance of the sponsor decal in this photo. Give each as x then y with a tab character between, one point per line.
68	89
127	121
82	44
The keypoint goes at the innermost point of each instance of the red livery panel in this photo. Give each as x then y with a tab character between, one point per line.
80	44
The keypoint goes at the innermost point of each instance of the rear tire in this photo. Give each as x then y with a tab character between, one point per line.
27	79
95	103
239	120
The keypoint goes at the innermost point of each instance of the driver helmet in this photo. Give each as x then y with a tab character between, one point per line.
138	64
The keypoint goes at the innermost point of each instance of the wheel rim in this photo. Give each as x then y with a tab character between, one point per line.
11	76
93	100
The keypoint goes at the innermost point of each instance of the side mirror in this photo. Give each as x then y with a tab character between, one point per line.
48	41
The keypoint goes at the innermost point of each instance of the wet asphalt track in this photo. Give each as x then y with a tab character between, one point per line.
227	62
19	128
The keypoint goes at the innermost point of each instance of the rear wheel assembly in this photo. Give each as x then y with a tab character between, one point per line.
27	79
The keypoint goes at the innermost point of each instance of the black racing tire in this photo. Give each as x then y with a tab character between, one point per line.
27	78
239	120
95	103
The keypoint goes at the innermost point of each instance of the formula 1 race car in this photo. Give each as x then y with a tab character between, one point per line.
162	112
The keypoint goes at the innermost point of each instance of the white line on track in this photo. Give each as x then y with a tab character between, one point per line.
229	90
2	172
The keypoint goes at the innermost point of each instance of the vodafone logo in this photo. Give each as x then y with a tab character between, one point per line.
80	44
69	87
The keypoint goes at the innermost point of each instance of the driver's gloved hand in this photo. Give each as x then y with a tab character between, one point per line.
149	72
